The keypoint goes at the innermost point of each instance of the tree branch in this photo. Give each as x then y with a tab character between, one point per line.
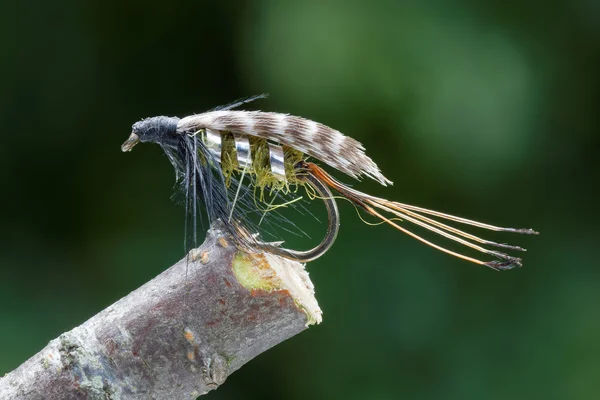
177	336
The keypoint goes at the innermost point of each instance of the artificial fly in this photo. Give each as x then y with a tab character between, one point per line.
230	161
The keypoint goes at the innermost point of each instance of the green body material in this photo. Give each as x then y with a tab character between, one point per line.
260	171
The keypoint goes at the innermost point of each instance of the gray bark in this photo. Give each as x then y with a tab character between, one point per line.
178	336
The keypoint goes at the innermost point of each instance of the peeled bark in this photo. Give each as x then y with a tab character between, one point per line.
178	336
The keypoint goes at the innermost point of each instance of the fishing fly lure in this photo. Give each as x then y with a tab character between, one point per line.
215	152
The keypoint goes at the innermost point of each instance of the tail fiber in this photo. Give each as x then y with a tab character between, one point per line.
418	216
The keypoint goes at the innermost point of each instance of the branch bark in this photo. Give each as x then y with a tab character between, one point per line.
177	336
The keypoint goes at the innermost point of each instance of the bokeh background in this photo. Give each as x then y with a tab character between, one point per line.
486	110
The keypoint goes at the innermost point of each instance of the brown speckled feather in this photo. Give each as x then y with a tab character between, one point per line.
317	140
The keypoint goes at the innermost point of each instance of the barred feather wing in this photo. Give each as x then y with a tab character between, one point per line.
317	140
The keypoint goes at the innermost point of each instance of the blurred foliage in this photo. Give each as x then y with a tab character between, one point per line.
481	109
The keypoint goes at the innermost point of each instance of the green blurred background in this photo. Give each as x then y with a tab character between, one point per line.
482	109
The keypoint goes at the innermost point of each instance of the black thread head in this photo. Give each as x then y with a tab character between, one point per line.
161	130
